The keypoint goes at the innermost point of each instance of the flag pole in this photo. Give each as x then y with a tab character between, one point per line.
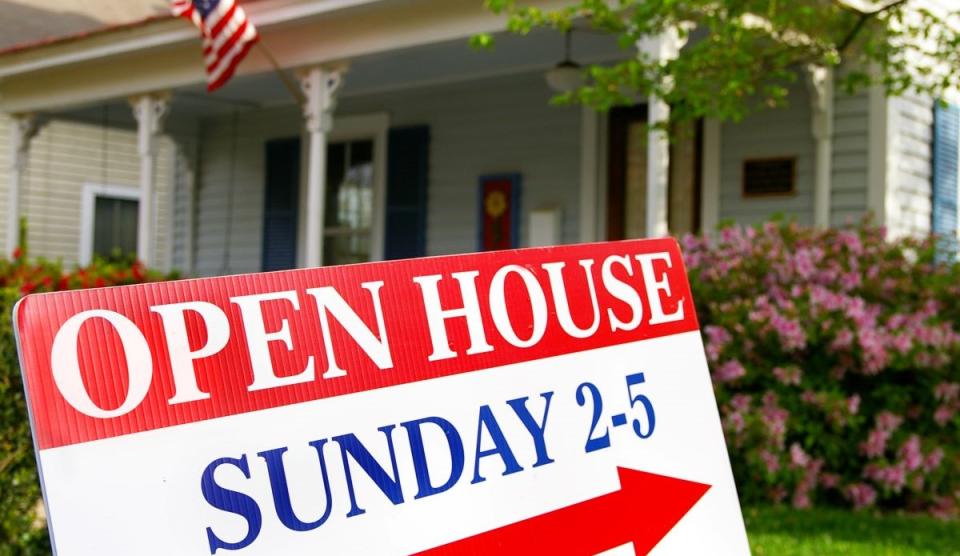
287	82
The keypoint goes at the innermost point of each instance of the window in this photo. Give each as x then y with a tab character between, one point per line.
348	220
109	222
764	177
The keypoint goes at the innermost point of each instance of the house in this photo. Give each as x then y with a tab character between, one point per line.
406	134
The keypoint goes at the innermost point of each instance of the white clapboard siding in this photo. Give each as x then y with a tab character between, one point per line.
182	192
848	197
488	126
228	231
910	119
64	157
785	131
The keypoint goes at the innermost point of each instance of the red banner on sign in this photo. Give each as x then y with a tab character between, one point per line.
109	362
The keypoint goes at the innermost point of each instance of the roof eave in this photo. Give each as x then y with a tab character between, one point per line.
154	32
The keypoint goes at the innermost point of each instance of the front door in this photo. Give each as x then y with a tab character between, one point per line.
627	172
627	175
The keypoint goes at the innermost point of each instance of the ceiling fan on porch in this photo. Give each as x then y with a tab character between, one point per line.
567	75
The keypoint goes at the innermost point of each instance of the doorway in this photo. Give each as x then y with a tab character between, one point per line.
627	175
626	172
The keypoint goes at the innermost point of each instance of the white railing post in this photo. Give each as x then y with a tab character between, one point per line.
319	87
23	130
820	80
149	111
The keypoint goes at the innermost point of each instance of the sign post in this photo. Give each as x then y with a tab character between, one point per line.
552	400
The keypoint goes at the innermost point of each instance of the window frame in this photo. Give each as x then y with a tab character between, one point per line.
372	126
88	204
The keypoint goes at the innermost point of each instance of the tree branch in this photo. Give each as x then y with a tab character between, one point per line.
862	20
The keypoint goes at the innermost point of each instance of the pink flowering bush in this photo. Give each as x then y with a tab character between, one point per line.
835	356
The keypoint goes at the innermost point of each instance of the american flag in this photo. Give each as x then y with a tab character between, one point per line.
227	35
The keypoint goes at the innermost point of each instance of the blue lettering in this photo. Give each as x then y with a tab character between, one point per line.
230	501
349	444
424	485
500	446
536	431
281	491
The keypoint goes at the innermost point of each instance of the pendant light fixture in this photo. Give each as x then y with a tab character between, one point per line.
567	75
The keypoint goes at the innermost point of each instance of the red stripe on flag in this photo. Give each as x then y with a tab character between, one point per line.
229	71
226	47
227	374
227	17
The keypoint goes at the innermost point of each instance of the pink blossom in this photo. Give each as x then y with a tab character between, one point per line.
853	404
717	338
850	281
891	477
810	397
729	371
771	461
943	414
902	343
792	335
741	402
829	480
736	423
910	453
798	457
873	343
933	460
888	421
843	340
946	391
801	499
850	241
875	444
774	418
862	495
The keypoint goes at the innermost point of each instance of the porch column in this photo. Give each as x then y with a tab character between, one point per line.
663	48
710	175
320	86
149	111
820	81
23	130
658	168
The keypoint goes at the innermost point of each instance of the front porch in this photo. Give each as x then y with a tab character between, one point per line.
384	158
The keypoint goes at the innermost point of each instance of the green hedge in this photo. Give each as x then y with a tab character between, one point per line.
836	361
22	525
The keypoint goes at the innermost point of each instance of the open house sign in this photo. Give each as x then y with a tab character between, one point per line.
548	401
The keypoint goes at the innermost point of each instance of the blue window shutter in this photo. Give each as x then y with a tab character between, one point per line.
408	155
280	202
946	136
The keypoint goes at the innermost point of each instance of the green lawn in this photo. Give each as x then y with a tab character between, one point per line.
789	532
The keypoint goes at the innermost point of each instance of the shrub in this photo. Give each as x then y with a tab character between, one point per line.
835	356
22	525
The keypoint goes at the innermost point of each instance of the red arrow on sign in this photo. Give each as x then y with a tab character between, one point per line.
643	511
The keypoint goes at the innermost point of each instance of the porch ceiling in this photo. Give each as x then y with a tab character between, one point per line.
386	41
420	66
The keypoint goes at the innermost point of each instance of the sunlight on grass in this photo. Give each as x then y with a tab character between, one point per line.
789	532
